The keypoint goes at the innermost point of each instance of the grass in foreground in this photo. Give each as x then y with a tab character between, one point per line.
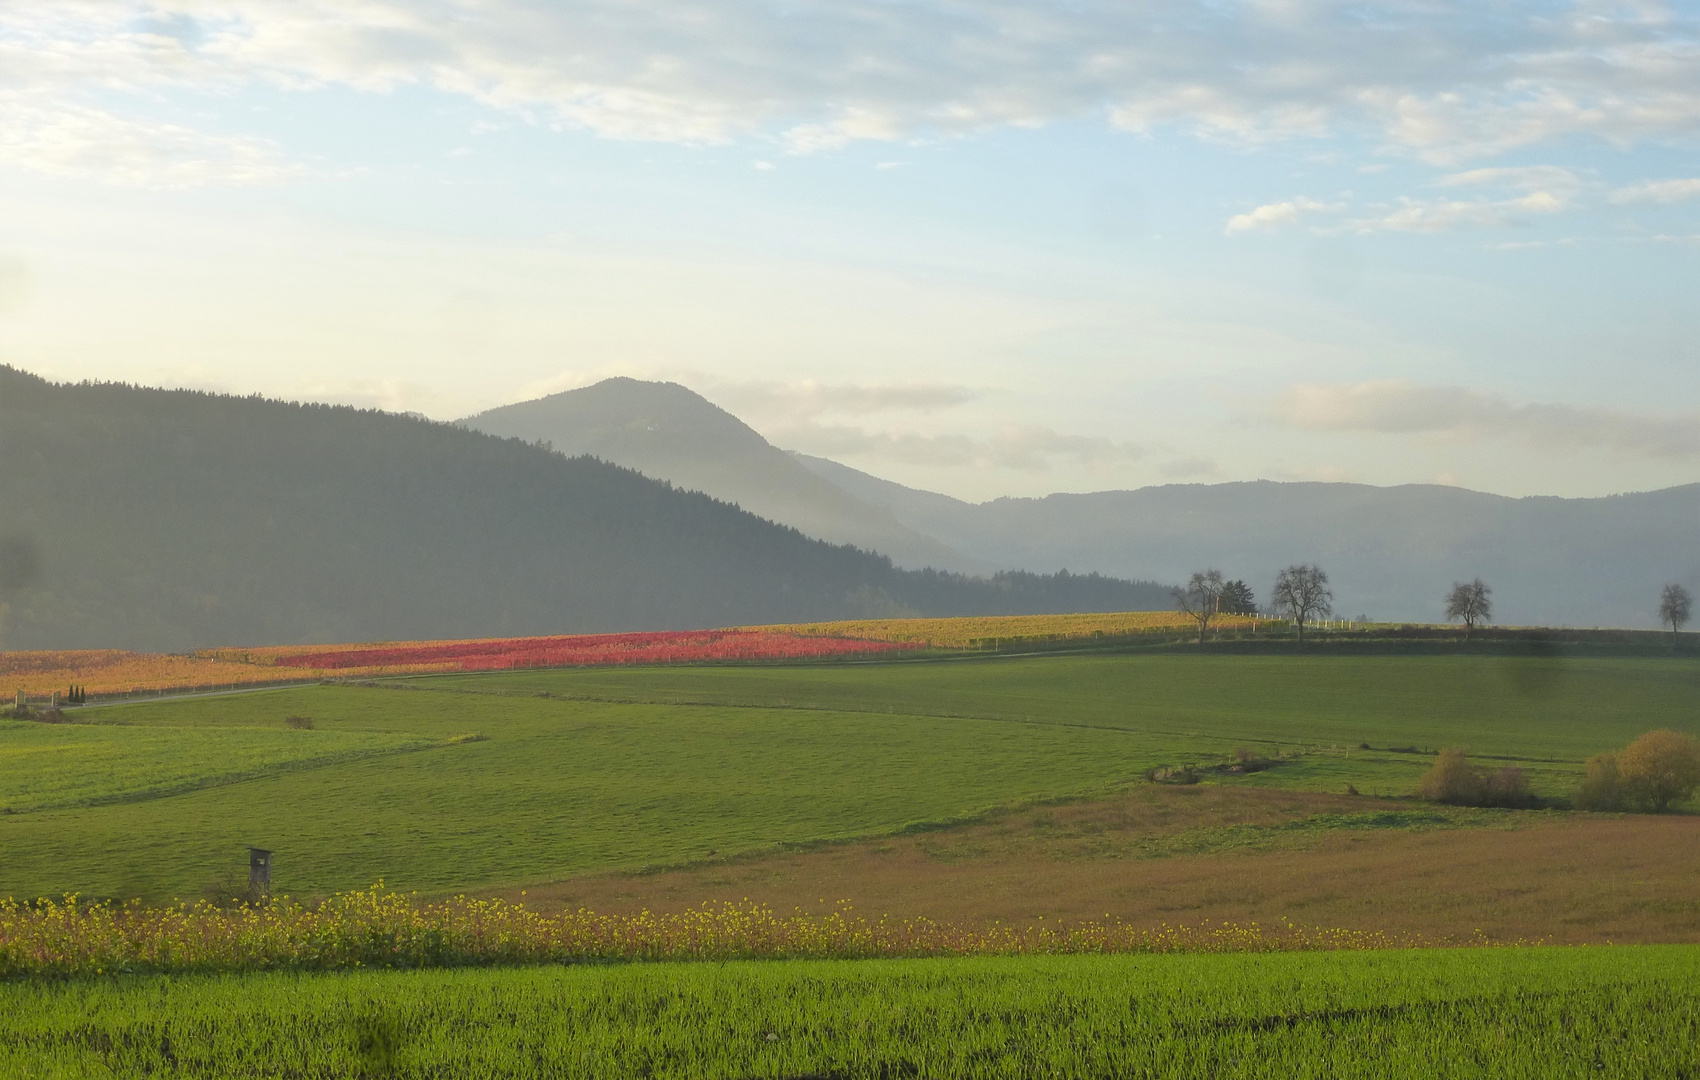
1516	1013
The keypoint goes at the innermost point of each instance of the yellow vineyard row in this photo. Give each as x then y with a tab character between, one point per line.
978	630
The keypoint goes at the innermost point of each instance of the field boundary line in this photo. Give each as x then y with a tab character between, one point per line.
707	704
230	780
110	701
399	682
786	847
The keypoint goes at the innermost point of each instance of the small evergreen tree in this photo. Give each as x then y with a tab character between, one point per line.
1237	599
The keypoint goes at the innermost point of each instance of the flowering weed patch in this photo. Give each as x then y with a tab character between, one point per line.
385	929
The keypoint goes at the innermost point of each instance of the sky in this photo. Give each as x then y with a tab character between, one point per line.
988	248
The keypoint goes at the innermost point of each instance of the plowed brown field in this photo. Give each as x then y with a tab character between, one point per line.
1189	855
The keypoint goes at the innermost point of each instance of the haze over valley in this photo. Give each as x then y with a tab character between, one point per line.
1391	552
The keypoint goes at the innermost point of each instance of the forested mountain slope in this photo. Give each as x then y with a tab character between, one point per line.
156	519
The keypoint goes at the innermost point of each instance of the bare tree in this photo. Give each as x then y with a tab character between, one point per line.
1302	592
1201	598
1675	606
1469	602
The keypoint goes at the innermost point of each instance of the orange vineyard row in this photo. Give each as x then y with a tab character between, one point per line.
114	671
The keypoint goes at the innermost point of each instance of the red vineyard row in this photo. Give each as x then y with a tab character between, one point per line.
591	649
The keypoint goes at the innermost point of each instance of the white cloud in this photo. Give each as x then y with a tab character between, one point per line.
1395	406
1657	191
1444	79
71	140
1026	448
1529	245
1277	215
1526	178
1547	189
1448	215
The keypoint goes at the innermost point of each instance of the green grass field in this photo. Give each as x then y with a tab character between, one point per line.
1524	707
50	766
641	767
1510	1013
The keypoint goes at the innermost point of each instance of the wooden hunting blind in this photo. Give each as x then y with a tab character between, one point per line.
259	871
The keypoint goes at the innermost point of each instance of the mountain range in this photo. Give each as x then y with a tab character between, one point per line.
1391	552
173	519
168	520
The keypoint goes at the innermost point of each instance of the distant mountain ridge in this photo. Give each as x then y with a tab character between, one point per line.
670	433
172	519
1390	552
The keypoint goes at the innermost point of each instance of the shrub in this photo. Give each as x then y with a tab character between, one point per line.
1506	787
1659	768
1601	789
1452	779
1247	760
1167	774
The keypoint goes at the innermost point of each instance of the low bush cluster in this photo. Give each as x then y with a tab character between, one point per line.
1453	780
1649	774
1247	760
1173	774
41	714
